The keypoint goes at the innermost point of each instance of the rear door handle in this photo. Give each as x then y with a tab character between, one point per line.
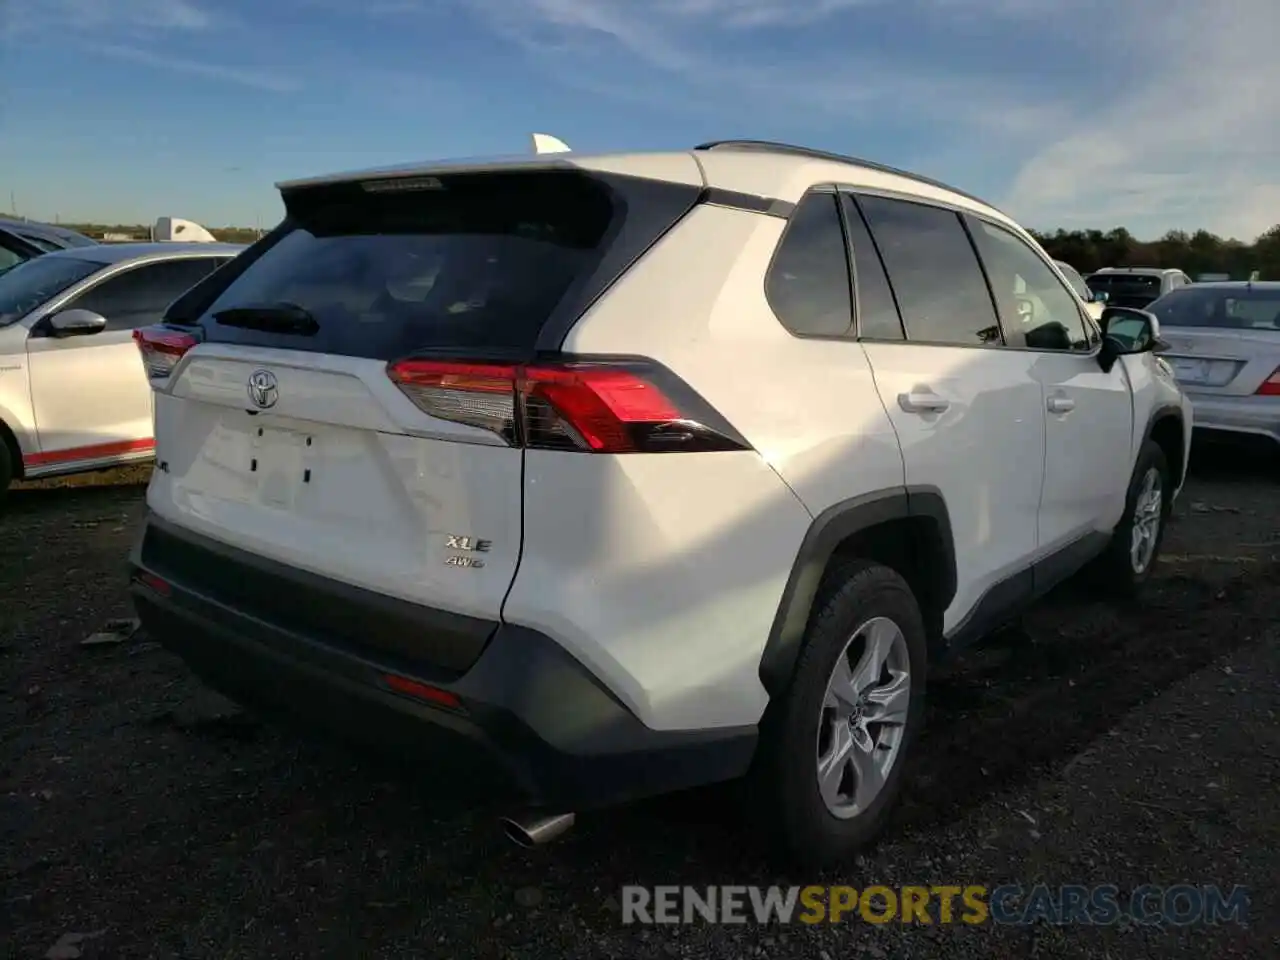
922	402
1061	404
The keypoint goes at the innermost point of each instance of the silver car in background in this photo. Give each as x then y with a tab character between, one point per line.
1135	286
1224	347
46	236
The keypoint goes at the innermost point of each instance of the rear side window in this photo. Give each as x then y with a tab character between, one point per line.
878	317
808	282
470	262
140	295
934	272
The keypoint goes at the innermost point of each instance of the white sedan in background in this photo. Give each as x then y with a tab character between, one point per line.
73	394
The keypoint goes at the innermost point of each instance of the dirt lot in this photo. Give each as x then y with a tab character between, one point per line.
1092	745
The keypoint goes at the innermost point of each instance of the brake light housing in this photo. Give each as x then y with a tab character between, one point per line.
1270	386
161	348
584	405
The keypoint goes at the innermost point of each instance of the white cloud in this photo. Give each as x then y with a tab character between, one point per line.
1193	142
732	13
240	76
136	31
609	15
72	17
692	42
1188	135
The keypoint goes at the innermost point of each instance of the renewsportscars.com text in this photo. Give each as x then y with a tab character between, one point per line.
972	904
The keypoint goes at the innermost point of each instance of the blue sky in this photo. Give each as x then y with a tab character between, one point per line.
1153	114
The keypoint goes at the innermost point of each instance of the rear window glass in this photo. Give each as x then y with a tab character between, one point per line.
1126	289
33	282
478	263
1230	309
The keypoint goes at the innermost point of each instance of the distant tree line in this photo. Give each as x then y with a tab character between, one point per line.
143	232
1193	253
1086	250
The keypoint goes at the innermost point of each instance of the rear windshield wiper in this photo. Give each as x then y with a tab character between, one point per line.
272	317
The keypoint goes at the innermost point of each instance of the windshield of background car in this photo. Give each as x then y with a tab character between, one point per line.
48	246
1126	289
36	281
72	239
1228	309
10	259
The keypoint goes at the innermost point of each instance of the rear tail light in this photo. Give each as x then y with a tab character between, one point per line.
1270	386
162	348
592	406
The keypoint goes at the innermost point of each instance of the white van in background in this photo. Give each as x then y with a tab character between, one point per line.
177	230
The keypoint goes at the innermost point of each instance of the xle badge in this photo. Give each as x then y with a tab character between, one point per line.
455	541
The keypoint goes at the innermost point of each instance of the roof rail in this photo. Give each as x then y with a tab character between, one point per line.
770	146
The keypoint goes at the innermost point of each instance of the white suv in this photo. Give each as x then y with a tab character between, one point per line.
614	475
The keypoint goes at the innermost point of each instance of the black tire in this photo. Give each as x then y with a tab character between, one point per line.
6	469
784	793
1114	573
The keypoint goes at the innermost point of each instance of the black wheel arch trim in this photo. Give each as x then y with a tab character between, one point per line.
12	449
1163	412
827	531
1170	411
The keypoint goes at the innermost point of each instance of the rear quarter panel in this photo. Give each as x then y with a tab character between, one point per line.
808	406
664	572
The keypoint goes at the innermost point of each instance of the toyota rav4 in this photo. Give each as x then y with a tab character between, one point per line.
609	476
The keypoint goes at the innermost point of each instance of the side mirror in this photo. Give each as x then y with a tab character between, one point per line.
76	323
1127	330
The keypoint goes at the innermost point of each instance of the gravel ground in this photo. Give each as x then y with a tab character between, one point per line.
1091	744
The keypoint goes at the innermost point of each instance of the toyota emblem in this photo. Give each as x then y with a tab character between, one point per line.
263	389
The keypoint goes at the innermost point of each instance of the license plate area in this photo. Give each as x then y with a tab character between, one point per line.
1204	371
1188	370
282	464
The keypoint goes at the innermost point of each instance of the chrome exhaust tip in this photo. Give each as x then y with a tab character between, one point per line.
535	830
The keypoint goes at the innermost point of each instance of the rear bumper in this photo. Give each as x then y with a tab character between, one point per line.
531	723
1255	416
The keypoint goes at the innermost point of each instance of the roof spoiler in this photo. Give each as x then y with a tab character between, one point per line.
546	143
